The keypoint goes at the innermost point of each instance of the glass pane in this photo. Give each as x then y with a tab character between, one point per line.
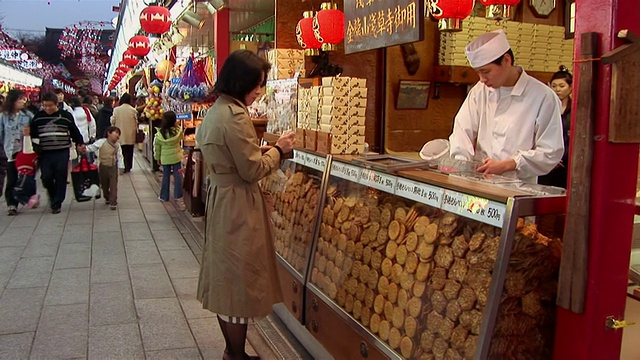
295	191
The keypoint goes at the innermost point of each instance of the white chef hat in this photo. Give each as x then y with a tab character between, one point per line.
487	47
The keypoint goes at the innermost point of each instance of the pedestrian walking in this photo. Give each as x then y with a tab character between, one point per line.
125	117
52	131
168	153
110	163
14	124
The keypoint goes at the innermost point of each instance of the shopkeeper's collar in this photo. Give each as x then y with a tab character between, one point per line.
521	84
233	101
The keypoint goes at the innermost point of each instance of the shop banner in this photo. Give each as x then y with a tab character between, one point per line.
373	24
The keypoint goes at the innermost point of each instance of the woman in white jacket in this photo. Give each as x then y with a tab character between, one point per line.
84	120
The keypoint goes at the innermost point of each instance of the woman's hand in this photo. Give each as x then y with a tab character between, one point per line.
286	142
26	131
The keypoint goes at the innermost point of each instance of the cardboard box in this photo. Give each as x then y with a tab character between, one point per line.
357	121
336	81
356	131
325	128
335	91
300	138
358	83
358	93
359	102
341	130
337	101
326	119
355	149
338	148
340	121
310	139
357	140
356	111
323	143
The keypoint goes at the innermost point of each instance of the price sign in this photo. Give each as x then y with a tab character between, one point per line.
378	180
298	157
422	193
315	162
345	171
473	207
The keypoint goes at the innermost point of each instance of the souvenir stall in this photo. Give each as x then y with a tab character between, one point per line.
14	78
423	258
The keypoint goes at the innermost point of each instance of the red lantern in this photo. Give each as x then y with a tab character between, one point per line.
139	46
305	35
499	9
450	13
155	19
328	26
129	59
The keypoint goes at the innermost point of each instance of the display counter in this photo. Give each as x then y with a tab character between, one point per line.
415	264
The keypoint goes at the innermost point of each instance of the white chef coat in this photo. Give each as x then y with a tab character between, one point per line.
525	125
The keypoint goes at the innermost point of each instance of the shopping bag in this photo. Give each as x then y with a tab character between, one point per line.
83	176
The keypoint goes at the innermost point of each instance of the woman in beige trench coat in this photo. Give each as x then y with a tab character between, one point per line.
238	278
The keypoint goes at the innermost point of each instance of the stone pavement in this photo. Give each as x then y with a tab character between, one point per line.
101	284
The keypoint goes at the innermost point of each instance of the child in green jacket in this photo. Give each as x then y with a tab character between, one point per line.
168	153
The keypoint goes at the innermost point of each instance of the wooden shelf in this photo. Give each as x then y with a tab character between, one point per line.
466	75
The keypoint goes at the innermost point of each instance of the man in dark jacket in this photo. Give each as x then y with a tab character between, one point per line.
52	131
103	121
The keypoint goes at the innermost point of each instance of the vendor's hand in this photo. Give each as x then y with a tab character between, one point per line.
286	142
496	167
26	131
265	148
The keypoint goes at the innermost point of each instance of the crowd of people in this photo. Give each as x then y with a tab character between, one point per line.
62	132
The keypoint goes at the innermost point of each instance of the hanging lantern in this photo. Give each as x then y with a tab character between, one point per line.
129	59
155	19
305	35
499	9
450	13
328	26
139	46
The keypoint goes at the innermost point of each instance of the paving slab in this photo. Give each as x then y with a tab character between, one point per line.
44	245
131	215
107	224
175	354
162	325
68	286
9	257
74	255
115	342
180	263
108	269
15	237
20	309
209	338
32	272
62	333
112	304
16	346
142	252
150	282
136	231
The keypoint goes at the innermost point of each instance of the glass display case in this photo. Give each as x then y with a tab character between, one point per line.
420	265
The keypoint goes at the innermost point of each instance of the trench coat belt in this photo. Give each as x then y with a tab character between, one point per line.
226	179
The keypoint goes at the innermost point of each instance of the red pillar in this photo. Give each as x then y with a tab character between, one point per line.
221	40
584	336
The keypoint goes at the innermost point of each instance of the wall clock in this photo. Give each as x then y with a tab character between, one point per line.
542	8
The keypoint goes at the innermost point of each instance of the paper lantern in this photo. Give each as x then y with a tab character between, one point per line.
306	36
155	19
499	9
139	46
129	59
163	69
328	26
450	13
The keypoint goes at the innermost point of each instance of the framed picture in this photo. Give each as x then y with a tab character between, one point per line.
413	94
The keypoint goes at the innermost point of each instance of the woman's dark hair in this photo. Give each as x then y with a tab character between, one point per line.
111	129
108	101
563	74
74	102
57	91
9	105
168	125
126	99
87	100
49	96
242	72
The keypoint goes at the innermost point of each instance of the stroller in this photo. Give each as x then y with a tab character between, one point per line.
25	188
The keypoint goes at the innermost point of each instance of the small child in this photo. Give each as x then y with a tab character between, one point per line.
168	153
25	188
110	161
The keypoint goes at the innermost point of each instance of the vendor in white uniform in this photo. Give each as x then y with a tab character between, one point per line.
510	121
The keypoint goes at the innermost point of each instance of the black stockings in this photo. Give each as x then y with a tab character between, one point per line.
235	336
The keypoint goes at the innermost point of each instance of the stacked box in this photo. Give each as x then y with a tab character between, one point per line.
357	110
314	108
304	108
285	63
